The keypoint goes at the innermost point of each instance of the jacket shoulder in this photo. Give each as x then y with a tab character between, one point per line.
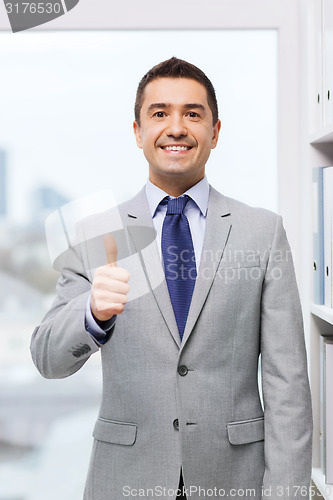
242	211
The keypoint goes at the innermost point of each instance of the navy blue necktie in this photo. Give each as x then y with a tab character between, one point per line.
179	259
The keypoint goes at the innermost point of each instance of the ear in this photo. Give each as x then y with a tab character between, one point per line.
137	133
216	131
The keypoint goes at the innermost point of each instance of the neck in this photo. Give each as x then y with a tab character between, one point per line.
174	187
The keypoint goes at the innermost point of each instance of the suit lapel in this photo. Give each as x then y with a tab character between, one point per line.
136	216
218	227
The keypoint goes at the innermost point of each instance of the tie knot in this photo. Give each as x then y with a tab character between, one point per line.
177	205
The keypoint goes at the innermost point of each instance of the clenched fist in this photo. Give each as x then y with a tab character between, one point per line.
110	285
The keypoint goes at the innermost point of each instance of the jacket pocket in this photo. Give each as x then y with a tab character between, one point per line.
238	263
246	431
113	431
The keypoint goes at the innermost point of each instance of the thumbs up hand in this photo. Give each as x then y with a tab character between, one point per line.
110	285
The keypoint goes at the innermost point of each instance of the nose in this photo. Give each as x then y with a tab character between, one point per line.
176	126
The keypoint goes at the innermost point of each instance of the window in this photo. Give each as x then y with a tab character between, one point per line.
65	132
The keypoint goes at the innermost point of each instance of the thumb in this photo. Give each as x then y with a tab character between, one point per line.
110	246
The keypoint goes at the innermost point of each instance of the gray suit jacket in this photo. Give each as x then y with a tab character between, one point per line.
193	404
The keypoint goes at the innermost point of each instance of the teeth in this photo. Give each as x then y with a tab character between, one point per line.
176	148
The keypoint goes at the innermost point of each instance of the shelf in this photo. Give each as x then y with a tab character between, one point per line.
324	135
323	312
318	478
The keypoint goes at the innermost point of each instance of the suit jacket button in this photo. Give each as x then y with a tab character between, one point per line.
176	424
182	370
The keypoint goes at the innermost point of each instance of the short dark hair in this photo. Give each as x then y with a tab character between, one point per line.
176	68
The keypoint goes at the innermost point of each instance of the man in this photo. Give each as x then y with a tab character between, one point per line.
180	360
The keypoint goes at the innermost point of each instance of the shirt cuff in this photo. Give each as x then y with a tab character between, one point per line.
100	333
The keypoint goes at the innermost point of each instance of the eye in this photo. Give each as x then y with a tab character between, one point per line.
159	114
193	114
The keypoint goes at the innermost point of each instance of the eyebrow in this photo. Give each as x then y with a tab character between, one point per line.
165	105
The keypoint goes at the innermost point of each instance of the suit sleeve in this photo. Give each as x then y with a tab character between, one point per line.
60	345
286	393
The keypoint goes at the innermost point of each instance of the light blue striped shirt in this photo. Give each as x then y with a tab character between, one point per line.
195	211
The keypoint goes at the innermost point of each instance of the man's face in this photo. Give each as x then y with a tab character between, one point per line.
176	131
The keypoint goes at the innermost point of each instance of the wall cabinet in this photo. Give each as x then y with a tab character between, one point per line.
327	30
320	51
319	152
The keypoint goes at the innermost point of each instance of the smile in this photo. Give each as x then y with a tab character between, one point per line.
176	148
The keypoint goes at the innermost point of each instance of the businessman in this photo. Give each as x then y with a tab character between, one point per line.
181	319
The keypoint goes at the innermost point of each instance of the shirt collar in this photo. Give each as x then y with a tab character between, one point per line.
199	194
